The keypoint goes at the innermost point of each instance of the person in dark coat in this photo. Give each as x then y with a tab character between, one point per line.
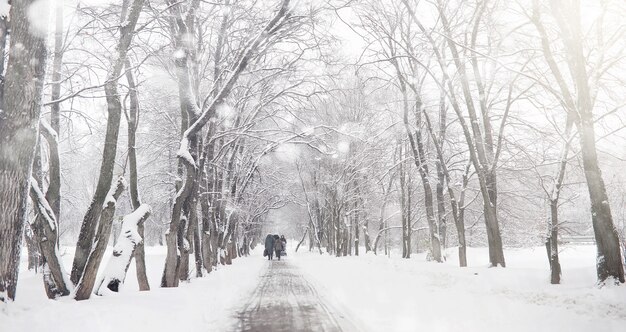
279	247
269	246
284	241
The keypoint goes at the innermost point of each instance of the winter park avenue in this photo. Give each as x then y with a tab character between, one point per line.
312	165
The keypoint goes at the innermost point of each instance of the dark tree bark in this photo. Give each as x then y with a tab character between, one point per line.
4	33
114	108
85	285
18	137
472	133
45	230
189	139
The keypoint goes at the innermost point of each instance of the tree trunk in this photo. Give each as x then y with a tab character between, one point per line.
34	257
133	123
552	244
441	205
4	33
115	272
419	157
473	135
18	137
114	108
403	204
306	230
45	230
53	194
609	260
101	239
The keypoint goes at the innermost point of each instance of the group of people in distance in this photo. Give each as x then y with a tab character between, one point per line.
275	244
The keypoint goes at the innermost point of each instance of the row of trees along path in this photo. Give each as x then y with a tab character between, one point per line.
442	103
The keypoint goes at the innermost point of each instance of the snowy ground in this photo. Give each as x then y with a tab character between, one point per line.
205	304
382	294
372	293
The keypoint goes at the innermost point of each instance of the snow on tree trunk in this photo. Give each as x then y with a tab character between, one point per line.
45	231
114	111
115	271
101	239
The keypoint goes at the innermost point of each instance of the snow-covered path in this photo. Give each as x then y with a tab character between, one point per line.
285	301
312	292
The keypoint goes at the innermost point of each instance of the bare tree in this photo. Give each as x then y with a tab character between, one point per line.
579	103
22	92
102	195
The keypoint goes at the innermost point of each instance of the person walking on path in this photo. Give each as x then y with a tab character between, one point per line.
284	241
269	246
279	247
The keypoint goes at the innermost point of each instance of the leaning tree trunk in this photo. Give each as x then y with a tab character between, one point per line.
609	259
115	271
580	104
114	108
45	230
101	239
133	122
18	137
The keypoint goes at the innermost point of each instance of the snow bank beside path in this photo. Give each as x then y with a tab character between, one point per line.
383	294
204	304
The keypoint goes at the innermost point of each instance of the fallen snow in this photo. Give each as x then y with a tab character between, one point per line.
373	293
393	294
204	304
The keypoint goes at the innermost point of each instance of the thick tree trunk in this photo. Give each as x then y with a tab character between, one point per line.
609	260
45	230
85	285
18	136
115	272
4	33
